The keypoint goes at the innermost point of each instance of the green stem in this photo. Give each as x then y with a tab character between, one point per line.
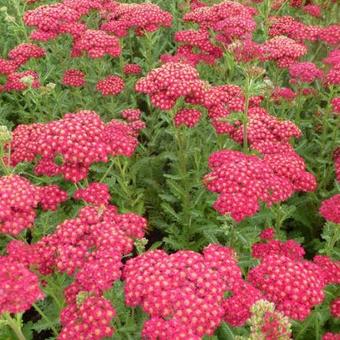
15	325
43	315
107	171
183	170
122	171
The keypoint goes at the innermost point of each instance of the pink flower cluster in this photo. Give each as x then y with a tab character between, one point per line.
330	35
295	286
237	306
51	196
330	209
184	292
51	20
90	319
133	69
19	200
20	81
74	78
305	72
143	17
335	308
231	20
22	53
195	47
95	193
282	50
313	10
131	115
96	44
242	182
333	75
70	145
18	286
110	86
290	248
331	336
336	105
330	269
17	57
171	81
187	117
283	93
293	29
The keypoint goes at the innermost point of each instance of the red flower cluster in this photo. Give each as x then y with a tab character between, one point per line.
144	17
91	319
18	56
51	196
336	105
110	86
267	234
284	51
18	286
131	115
331	336
22	53
295	286
75	78
330	34
245	51
51	20
187	117
95	193
182	292
222	100
333	75
292	28
283	93
70	145
85	6
264	128
237	307
335	308
313	10
242	182
171	81
330	209
7	66
20	81
231	20
290	248
132	69
195	47
331	269
19	200
306	72
96	44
